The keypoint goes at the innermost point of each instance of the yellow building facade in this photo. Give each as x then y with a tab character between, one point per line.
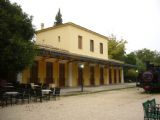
71	55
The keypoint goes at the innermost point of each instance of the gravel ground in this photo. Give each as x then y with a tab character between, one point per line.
125	104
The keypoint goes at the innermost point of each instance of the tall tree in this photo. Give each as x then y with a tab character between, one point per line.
130	74
16	48
116	48
130	58
58	18
144	55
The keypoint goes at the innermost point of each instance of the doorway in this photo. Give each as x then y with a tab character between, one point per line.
49	72
61	75
80	76
34	73
110	76
115	76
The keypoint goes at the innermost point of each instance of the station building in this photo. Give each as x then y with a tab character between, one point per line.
71	55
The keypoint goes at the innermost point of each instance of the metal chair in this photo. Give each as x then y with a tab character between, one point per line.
57	93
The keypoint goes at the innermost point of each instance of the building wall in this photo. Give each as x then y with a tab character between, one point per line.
50	38
86	37
66	38
97	75
25	75
74	70
69	41
86	75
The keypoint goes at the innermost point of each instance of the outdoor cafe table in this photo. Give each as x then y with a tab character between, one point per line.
46	91
34	86
11	95
9	87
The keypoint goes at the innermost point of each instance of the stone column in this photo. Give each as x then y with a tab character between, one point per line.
122	75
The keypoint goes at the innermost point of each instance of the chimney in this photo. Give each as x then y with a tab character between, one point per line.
42	26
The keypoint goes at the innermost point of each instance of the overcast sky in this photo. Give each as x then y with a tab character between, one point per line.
136	21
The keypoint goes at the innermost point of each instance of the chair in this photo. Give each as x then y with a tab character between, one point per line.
151	112
38	94
153	103
57	92
24	91
3	98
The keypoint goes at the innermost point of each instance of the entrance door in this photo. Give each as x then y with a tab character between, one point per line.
110	76
80	76
92	81
61	75
49	72
34	73
101	76
115	76
119	76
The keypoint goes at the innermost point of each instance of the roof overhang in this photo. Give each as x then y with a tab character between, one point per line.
64	55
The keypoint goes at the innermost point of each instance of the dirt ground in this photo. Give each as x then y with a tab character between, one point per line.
125	104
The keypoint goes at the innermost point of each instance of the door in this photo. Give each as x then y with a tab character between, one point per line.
110	76
34	73
80	76
101	76
119	76
115	76
61	75
92	81
49	72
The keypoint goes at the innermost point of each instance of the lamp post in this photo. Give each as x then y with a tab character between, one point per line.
81	69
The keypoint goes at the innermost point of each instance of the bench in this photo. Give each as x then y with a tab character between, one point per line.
151	110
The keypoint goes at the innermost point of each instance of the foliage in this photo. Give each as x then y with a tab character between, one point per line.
139	58
130	58
144	55
116	48
16	31
130	74
58	18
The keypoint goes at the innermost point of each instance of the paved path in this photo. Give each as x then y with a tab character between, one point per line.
123	104
86	90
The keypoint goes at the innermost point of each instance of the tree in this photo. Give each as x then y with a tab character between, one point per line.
130	58
116	48
17	50
58	18
140	57
144	55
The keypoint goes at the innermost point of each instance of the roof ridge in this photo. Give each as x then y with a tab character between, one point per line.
75	25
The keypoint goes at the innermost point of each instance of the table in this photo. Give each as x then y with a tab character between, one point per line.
46	92
9	86
11	95
34	86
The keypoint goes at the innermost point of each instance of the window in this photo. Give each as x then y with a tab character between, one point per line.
101	48
80	42
91	45
59	38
